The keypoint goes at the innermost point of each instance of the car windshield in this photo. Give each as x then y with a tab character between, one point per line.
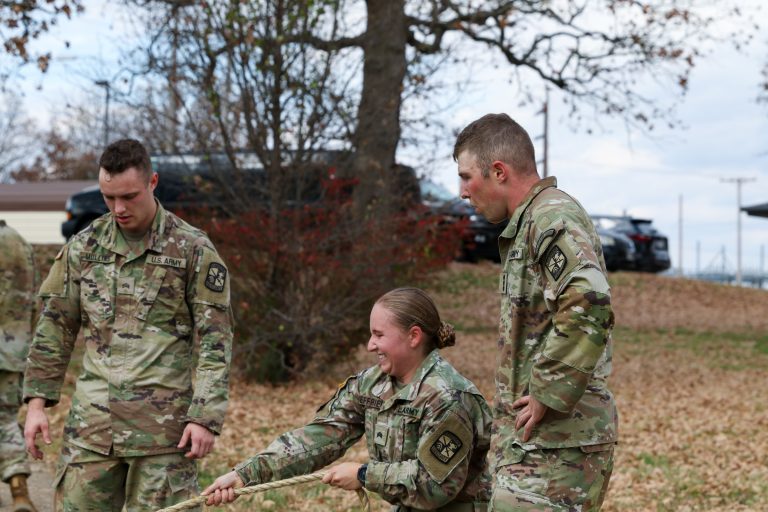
616	223
435	192
645	227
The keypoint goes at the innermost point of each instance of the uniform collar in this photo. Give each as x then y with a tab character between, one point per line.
411	390
511	230
115	242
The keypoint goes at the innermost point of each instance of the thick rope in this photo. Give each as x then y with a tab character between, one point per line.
243	491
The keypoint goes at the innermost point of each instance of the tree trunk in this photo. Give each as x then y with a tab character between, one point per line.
378	115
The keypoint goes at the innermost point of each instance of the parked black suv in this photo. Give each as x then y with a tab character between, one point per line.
652	247
479	237
618	250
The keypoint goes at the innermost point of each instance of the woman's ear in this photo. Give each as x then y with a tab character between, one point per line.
415	336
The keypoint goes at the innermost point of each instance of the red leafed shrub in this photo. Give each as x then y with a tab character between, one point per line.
304	280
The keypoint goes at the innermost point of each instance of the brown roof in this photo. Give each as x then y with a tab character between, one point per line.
39	196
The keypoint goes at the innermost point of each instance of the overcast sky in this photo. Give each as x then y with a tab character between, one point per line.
611	171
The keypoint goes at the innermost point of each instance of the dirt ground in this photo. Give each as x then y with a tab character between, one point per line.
690	378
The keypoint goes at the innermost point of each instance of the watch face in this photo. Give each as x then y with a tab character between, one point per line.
361	473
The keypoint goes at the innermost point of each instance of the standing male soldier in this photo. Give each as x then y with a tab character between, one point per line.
17	311
555	421
145	287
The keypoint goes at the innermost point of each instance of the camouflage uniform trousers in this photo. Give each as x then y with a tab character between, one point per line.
13	457
87	481
554	480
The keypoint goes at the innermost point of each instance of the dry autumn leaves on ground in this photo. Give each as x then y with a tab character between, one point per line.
690	376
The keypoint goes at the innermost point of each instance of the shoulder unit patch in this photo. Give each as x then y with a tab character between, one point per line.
446	446
216	277
442	450
556	262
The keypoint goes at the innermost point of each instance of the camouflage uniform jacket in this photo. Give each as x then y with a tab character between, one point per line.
17	298
427	442
555	327
141	314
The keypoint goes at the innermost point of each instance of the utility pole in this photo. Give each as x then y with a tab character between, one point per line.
698	258
545	136
105	85
738	182
680	237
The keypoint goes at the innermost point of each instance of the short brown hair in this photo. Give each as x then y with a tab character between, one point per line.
497	137
124	154
413	307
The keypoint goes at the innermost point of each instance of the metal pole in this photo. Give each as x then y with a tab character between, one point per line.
546	134
738	182
698	257
680	237
105	85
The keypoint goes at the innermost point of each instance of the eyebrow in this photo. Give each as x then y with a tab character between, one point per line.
110	196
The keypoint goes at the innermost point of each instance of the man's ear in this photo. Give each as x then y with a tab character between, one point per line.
153	181
500	171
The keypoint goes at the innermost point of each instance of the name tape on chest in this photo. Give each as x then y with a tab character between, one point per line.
407	410
159	259
370	402
515	254
94	257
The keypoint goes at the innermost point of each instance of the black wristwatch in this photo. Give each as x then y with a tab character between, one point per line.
362	470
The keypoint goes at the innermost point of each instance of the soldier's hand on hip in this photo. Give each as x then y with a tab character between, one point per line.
200	438
37	421
531	414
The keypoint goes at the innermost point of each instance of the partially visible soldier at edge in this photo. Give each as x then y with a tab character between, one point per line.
555	421
18	282
148	288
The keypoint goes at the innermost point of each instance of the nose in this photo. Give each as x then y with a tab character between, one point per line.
371	345
119	206
463	192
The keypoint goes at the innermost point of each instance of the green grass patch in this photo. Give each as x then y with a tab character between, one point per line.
460	281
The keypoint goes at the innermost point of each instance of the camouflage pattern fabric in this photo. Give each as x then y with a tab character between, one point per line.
555	328
555	480
13	457
142	312
18	282
90	481
427	441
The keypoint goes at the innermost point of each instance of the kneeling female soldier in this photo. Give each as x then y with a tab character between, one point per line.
427	427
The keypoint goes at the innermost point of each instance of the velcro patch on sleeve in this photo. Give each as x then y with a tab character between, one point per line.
55	285
212	281
445	447
561	259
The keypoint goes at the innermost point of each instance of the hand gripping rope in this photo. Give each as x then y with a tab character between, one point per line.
194	502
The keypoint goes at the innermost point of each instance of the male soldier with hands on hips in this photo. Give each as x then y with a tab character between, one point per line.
555	421
145	287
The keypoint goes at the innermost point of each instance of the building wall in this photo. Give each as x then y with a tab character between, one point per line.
37	227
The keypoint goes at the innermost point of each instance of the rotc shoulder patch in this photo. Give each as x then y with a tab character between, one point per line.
211	278
445	447
556	262
216	277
